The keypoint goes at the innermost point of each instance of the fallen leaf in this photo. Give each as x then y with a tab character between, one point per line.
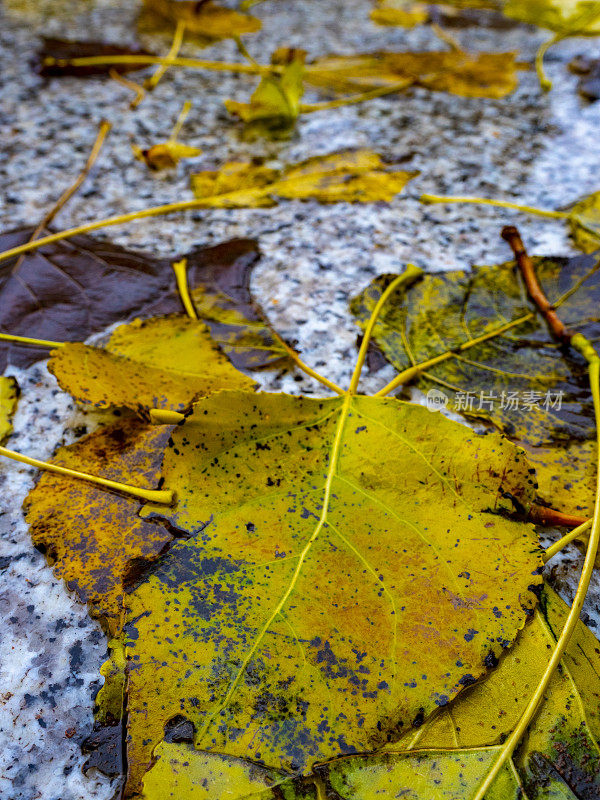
358	176
275	103
442	311
206	19
452	753
73	288
399	12
457	72
566	17
94	539
165	155
289	628
522	381
161	362
54	52
9	394
584	222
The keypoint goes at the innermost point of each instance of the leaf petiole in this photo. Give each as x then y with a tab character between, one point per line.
180	270
576	533
430	199
9	337
409	276
163	496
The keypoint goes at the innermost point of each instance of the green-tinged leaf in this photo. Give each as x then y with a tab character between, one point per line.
566	17
399	12
9	394
289	628
429	775
183	773
206	19
522	380
358	176
450	755
457	72
566	476
584	222
162	362
275	103
95	540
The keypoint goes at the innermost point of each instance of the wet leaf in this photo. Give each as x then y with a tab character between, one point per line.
399	12
165	155
560	747
162	362
444	310
457	72
275	103
73	288
567	17
353	177
289	627
183	773
94	539
451	754
522	381
9	394
584	222
53	52
206	19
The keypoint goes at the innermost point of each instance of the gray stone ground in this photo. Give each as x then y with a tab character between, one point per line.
541	149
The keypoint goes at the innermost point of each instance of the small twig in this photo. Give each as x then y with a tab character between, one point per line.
557	328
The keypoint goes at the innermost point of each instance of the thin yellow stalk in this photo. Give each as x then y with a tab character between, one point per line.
180	270
412	372
576	533
586	349
135	87
293	355
410	275
185	110
10	337
164	496
153	80
429	199
309	108
155	211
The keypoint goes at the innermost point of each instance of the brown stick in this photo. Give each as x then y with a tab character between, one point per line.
540	515
511	235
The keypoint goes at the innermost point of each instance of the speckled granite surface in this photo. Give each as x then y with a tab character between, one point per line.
541	149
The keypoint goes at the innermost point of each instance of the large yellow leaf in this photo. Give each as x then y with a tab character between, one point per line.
457	72
290	627
584	222
9	393
358	176
162	362
95	540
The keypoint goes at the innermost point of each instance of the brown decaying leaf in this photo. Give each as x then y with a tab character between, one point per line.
94	539
53	51
73	288
588	70
165	155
